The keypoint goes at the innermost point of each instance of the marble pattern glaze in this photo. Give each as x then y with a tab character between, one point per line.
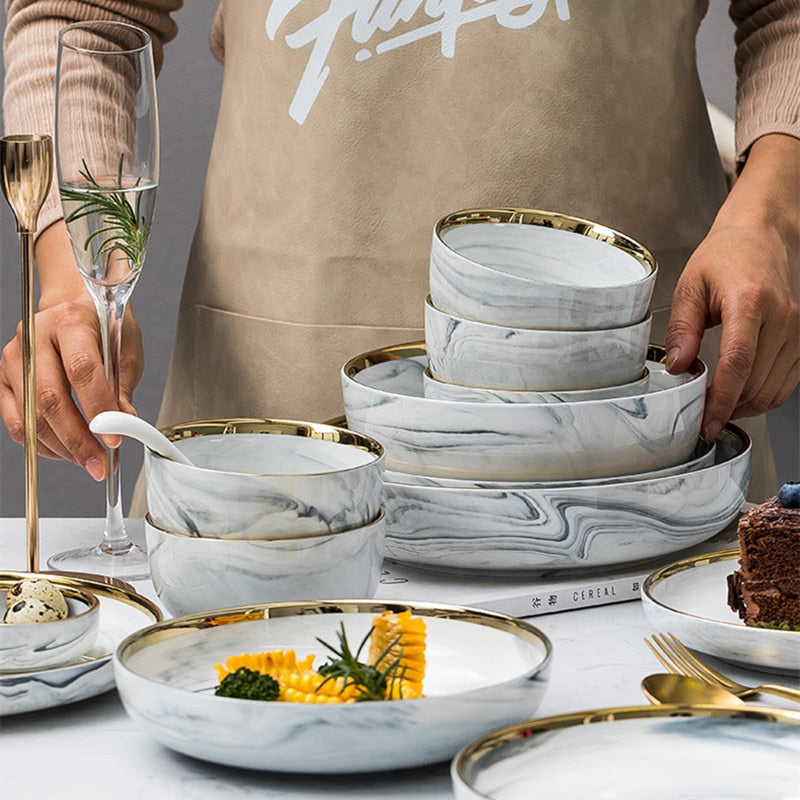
534	276
496	530
48	644
478	676
619	753
440	390
263	486
470	353
514	441
196	574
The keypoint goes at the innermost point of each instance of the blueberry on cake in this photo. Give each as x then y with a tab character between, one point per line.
765	590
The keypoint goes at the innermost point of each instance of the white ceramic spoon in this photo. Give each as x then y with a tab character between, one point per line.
122	424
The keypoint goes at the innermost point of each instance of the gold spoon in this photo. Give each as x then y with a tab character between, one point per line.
667	687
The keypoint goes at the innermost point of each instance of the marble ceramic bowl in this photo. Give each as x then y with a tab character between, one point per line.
196	574
470	353
538	269
384	398
259	478
40	645
580	526
440	390
483	670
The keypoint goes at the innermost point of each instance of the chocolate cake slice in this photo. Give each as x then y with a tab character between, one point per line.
765	590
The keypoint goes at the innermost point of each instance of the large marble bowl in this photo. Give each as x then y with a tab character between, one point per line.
262	478
471	353
568	527
441	390
196	574
483	670
384	398
40	645
538	269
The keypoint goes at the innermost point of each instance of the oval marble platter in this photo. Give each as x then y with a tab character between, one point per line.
483	670
122	611
660	752
689	599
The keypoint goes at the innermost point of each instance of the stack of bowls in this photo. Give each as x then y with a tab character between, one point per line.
268	511
562	446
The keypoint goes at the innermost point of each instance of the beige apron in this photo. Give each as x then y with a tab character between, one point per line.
343	137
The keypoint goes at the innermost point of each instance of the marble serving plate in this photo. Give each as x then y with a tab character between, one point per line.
47	644
196	574
483	670
689	599
538	269
664	752
440	390
471	353
570	527
384	398
264	479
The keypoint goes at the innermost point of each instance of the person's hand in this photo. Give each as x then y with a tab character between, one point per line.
745	275
70	378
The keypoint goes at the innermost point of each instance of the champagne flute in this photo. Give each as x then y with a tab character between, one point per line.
107	157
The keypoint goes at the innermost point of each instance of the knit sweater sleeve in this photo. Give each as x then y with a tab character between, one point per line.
30	48
767	68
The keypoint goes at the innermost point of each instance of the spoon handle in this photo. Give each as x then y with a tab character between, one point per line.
122	424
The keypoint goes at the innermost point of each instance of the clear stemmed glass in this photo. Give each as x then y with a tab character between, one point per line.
107	158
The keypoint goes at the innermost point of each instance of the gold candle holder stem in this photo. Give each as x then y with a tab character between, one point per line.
27	171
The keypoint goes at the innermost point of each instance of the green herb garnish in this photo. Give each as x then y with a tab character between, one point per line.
778	626
124	228
248	684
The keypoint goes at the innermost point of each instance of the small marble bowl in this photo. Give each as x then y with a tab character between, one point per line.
384	398
441	390
469	353
192	574
538	269
39	645
265	479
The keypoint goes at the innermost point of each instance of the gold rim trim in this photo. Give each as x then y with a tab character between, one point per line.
322	431
190	623
399	352
669	570
549	219
468	758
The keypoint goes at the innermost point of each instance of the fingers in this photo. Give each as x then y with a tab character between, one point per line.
687	323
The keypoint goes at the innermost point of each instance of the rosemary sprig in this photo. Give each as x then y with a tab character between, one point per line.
124	229
368	680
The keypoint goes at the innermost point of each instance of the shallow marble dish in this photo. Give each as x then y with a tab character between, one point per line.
122	611
661	752
41	645
265	478
689	598
440	390
384	398
538	269
470	353
196	574
577	527
704	455
483	670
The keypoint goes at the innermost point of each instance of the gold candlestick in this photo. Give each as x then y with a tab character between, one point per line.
27	170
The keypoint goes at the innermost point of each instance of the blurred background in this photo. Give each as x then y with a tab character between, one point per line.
188	109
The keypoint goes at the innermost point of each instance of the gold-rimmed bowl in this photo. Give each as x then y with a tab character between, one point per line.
638	751
40	645
264	478
483	670
531	268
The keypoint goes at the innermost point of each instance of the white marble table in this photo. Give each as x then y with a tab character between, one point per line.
91	749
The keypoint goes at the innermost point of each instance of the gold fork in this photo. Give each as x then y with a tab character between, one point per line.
676	657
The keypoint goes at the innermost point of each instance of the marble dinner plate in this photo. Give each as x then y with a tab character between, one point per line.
689	599
121	613
657	752
483	670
